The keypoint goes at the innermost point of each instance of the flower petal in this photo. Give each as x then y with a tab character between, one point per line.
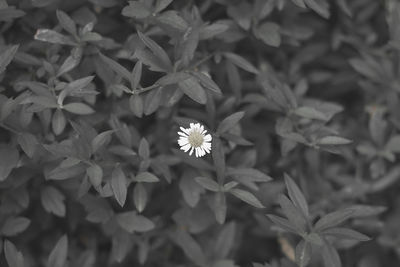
183	141
182	134
185	130
186	147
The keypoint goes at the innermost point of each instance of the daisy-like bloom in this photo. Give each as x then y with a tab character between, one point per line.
195	139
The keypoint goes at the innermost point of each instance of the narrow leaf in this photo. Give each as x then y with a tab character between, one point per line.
207	183
345	233
246	197
241	62
293	214
296	196
136	9
78	108
66	22
15	225
132	222
119	185
58	255
282	223
28	143
13	256
115	66
7	56
140	197
333	219
53	201
101	139
229	122
157	50
95	174
50	36
303	253
333	140
146	177
330	256
193	90
310	113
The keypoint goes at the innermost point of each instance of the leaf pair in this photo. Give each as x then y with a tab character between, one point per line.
298	222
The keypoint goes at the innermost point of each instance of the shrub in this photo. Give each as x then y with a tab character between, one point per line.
300	99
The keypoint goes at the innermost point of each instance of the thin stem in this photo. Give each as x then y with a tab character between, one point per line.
2	125
145	89
201	61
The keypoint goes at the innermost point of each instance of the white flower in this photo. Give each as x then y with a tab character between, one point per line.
195	139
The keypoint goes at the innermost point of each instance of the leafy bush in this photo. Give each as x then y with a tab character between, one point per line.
301	98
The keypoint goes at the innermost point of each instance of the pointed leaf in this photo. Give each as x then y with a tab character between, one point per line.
53	201
115	66
246	197
8	161
230	122
58	122
146	177
269	33
225	240
207	82
140	197
157	50
137	10
95	174
193	90
78	108
101	139
136	75
310	113
248	174
319	6
220	207
71	62
119	185
296	196
189	246
241	62
13	256
152	101
293	214
28	143
303	253
66	22
333	140
345	233
50	36
283	223
7	56
333	219
132	222
58	255
330	256
161	5
15	225
136	105
207	183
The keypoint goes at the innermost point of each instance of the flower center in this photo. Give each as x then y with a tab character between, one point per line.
195	139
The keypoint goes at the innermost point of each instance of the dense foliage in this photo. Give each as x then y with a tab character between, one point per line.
301	98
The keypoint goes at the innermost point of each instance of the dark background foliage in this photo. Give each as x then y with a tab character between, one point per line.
301	98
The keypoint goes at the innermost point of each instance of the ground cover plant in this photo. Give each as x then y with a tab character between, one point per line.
215	133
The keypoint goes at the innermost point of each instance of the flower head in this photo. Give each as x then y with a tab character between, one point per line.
195	139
